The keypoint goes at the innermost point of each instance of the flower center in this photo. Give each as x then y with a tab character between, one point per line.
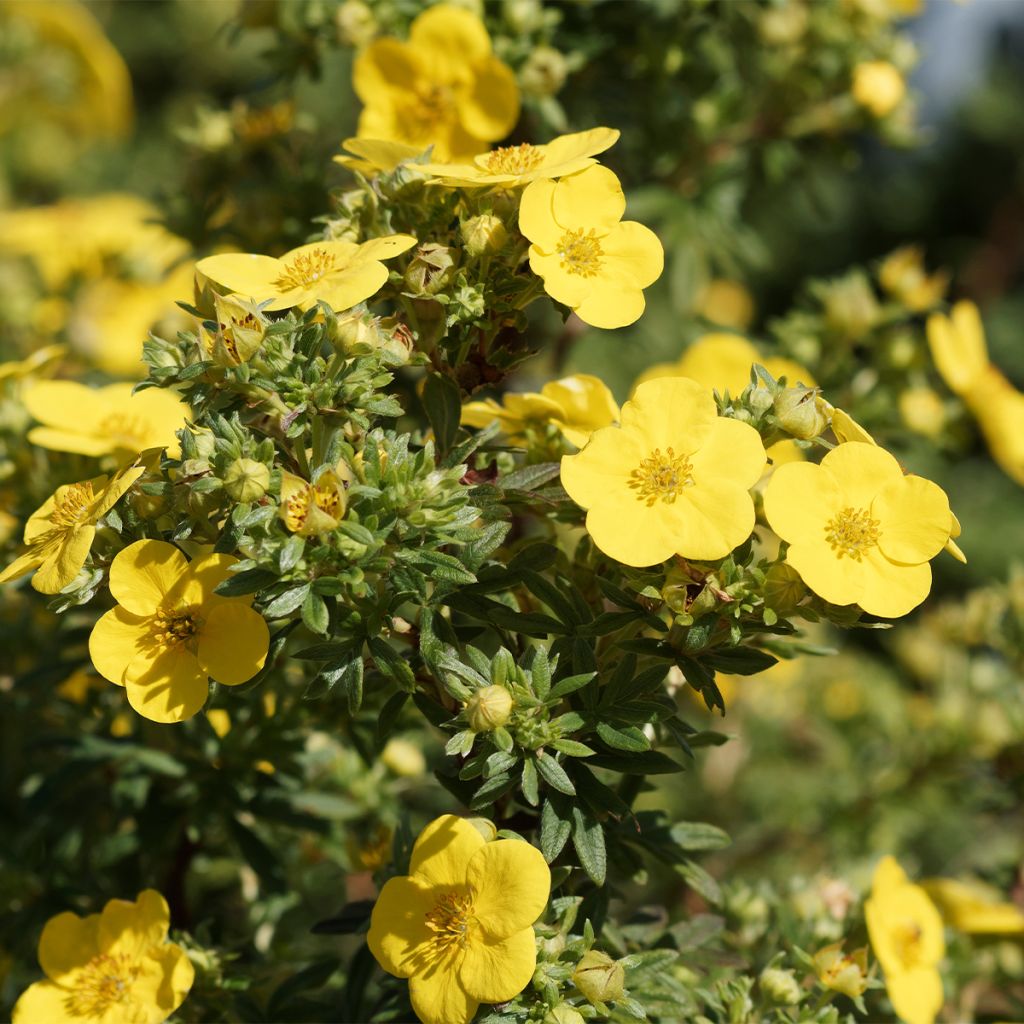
297	505
661	476
171	629
581	252
72	505
907	940
515	159
104	981
450	921
852	532
305	270
433	104
125	429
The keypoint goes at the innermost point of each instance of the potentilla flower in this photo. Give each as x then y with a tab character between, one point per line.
903	275
170	632
444	87
116	967
371	156
842	972
674	478
310	509
515	166
906	935
459	926
588	257
859	531
973	907
878	86
104	421
338	273
60	533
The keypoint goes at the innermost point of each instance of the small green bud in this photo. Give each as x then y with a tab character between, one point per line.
489	708
430	269
799	412
483	234
544	72
246	480
356	23
850	306
761	399
599	978
564	1014
780	986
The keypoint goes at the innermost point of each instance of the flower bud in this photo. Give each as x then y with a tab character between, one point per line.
483	234
403	758
430	269
599	978
761	399
878	86
544	72
356	23
564	1014
799	414
485	827
489	708
355	332
780	986
246	480
840	972
850	306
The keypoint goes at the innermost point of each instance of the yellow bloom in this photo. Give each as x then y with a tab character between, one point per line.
241	328
922	411
512	166
903	276
338	273
368	156
577	405
459	926
673	479
104	421
842	972
859	531
878	86
60	533
169	631
974	907
727	303
310	509
444	87
116	966
906	935
589	258
958	346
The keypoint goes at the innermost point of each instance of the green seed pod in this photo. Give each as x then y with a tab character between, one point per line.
599	978
489	708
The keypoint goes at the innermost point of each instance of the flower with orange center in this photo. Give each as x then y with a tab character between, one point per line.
310	509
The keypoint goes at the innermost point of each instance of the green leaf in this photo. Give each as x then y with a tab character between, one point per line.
588	840
569	685
572	748
700	881
247	582
315	614
530	786
443	405
286	603
554	775
530	477
740	661
554	831
391	663
629	738
437	564
290	553
491	790
540	672
313	977
697	835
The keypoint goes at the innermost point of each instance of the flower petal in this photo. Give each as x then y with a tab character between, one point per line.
448	39
130	927
570	289
578	145
915	519
68	943
634	252
671	412
733	451
70	441
249	274
171	689
23	564
233	643
62	565
398	926
118	639
443	850
713	518
490	108
343	290
799	501
632	532
892	589
838	580
511	883
609	304
43	1001
916	994
384	248
861	471
65	404
494	972
439	998
386	66
144	573
537	218
601	471
165	977
592	198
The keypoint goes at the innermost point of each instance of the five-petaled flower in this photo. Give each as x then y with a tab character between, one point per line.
906	934
459	926
116	967
674	478
589	258
170	632
60	533
444	87
338	273
859	531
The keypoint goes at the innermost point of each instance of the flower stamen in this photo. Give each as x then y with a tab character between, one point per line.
305	270
104	981
72	505
852	532
515	159
661	476
581	252
175	628
450	920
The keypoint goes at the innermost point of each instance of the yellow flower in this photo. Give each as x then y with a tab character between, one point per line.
903	276
241	328
40	363
104	421
958	346
368	156
311	509
922	411
842	972
116	966
974	908
859	531
906	934
589	258
169	631
673	479
727	303
444	87
459	926
512	166
338	273
878	86
60	533
577	405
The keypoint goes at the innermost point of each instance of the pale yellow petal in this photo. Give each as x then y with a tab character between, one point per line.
489	108
719	361
144	573
494	972
861	471
916	994
578	145
511	883
632	252
632	532
43	1001
537	218
891	589
593	198
57	440
608	303
164	980
915	520
130	927
233	643
715	516
799	501
62	565
447	39
838	580
68	943
570	289
249	274
733	451
603	468
671	412
398	925
384	248
344	290
443	850
888	877
65	404
384	67
23	564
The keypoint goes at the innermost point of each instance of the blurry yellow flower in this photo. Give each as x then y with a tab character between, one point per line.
60	533
903	276
403	758
444	87
40	363
859	531
368	156
373	853
338	273
878	86
589	258
974	908
958	346
842	972
512	166
906	935
727	303
77	685
459	926
220	721
170	632
116	966
922	411
673	479
104	421
577	405
311	509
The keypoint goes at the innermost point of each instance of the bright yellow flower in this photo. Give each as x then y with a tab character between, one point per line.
842	972
104	421
906	935
60	533
444	87
859	531
311	509
170	632
974	908
369	156
903	276
673	479
727	303
577	405
589	258
958	346
459	926
116	967
922	411
513	166
878	86
338	273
